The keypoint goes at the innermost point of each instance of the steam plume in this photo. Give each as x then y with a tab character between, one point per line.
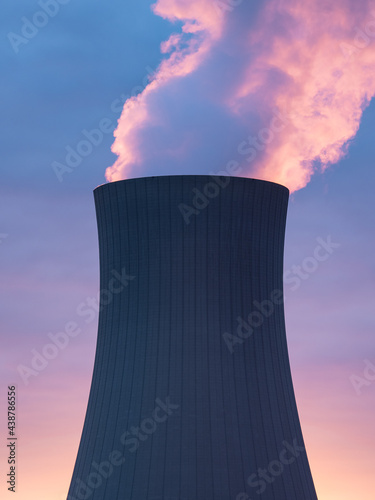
277	86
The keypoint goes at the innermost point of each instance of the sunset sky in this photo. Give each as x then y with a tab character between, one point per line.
283	90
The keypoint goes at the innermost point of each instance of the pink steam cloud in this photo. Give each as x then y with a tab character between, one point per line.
280	88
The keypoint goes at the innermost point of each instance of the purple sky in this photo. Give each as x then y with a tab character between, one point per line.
74	75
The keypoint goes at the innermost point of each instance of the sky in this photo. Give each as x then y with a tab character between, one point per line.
97	92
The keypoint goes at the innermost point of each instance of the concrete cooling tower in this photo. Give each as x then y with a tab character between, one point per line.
191	395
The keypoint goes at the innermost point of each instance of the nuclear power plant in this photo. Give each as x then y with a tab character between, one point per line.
191	395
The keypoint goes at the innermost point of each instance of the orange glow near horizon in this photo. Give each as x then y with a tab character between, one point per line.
334	431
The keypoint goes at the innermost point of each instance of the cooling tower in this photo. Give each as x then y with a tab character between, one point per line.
191	395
